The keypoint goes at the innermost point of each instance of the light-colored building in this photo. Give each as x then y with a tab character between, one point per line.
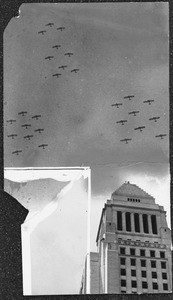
134	246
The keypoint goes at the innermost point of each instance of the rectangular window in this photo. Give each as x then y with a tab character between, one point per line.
144	285
152	253
132	251
143	263
134	284
119	220
128	221
122	250
145	223
136	220
154	274
164	275
123	272
143	273
163	264
122	261
133	273
133	261
162	254
123	292
153	264
123	282
155	286
142	252
154	224
165	286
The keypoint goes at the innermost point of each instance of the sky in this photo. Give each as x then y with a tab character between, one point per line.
120	49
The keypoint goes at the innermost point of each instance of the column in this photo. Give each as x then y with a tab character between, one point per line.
123	221
149	225
141	223
132	222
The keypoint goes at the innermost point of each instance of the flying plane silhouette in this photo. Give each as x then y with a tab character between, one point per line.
26	126
148	101
161	136
39	130
36	117
69	54
49	57
43	146
56	75
42	32
56	46
125	140
121	122
61	28
75	70
129	97
62	67
154	119
134	112
16	152
11	121
140	128
49	24
12	135
28	137
22	113
117	104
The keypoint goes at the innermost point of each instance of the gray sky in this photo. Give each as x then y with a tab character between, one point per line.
120	49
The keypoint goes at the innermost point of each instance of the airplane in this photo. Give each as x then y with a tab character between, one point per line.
16	152
125	140
12	135
154	119
22	113
56	46
49	24
39	130
122	122
75	70
36	117
61	28
139	128
62	67
42	32
134	112
57	75
129	97
148	101
11	121
68	54
28	137
161	136
49	57
43	145
117	104
26	125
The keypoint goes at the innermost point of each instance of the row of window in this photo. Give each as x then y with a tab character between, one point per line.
143	274
137	226
144	285
142	252
143	262
133	200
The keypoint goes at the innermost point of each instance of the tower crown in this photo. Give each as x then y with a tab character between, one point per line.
128	190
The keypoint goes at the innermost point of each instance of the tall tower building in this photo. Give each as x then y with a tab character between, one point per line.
134	246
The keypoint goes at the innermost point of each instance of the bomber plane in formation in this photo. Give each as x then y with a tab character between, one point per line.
12	135
56	75
139	128
62	67
22	113
75	70
125	140
117	104
43	146
11	121
121	122
49	57
49	24
26	125
36	117
39	130
16	152
42	32
148	101
161	136
61	28
28	137
129	97
154	119
134	112
56	46
68	54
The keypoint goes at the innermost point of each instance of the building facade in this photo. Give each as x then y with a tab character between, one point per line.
134	246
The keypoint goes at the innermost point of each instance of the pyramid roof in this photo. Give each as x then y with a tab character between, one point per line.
128	189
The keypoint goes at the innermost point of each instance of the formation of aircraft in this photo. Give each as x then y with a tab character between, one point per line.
16	152
42	32
154	119
49	24
43	146
129	97
161	136
36	117
126	140
134	112
56	75
22	113
39	130
62	67
56	46
139	128
148	101
117	104
68	54
11	121
28	137
61	28
12	135
121	122
26	125
49	57
75	70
